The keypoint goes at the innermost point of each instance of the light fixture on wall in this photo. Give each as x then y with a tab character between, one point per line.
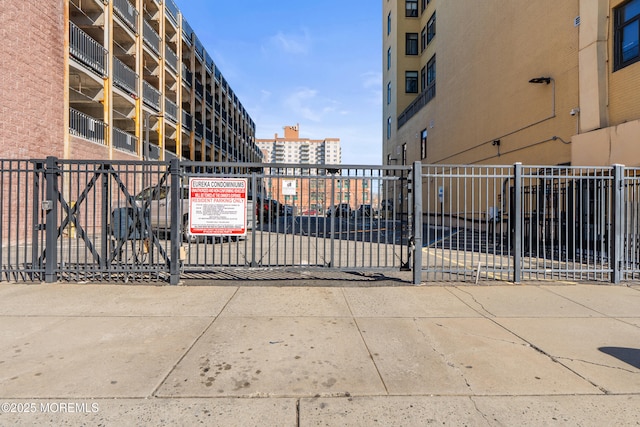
540	80
547	80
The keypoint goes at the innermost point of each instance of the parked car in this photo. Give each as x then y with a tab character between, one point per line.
267	210
386	207
288	210
341	210
364	211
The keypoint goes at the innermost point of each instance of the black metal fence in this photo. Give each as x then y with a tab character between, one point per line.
63	220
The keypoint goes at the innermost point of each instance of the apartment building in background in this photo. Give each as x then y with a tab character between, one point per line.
114	79
323	156
290	148
499	82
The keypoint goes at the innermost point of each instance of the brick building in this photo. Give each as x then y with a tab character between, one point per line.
121	79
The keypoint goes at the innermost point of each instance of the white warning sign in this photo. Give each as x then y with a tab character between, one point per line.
218	206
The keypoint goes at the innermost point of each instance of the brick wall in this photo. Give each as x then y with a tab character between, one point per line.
31	78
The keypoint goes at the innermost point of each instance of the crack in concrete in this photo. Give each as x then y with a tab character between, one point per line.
443	356
474	300
598	364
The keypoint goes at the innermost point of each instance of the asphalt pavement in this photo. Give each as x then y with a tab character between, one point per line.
333	355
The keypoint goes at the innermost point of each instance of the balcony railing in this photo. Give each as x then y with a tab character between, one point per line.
88	51
151	37
198	47
187	75
128	12
172	11
170	110
171	59
124	141
209	98
150	96
199	89
86	126
199	128
423	99
186	30
124	77
209	135
187	120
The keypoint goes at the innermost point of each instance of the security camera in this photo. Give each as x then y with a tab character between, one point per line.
574	111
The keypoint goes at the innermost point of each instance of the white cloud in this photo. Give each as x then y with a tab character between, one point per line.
308	105
297	44
371	79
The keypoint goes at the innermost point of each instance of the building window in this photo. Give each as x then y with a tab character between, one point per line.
627	34
411	81
423	79
423	5
389	23
388	93
389	59
404	153
389	128
431	28
411	44
423	39
431	75
411	7
423	144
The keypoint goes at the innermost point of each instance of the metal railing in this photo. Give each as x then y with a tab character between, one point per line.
186	31
172	11
199	128
421	100
124	77
187	120
151	37
150	96
171	59
128	12
187	75
112	220
86	127
170	110
88	51
199	89
526	223
124	141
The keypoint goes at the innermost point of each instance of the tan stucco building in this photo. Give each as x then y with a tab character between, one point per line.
498	82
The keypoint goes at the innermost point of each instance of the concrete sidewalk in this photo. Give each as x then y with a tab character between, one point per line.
285	356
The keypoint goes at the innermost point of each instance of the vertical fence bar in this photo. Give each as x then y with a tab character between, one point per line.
417	222
616	257
176	203
517	238
51	197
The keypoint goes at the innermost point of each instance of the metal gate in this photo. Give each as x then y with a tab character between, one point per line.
333	217
129	221
527	223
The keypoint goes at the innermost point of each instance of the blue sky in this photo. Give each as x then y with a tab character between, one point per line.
316	63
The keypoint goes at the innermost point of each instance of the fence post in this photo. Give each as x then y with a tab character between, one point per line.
50	206
417	222
517	235
176	240
616	258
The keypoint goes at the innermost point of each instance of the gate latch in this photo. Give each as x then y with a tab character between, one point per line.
47	205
